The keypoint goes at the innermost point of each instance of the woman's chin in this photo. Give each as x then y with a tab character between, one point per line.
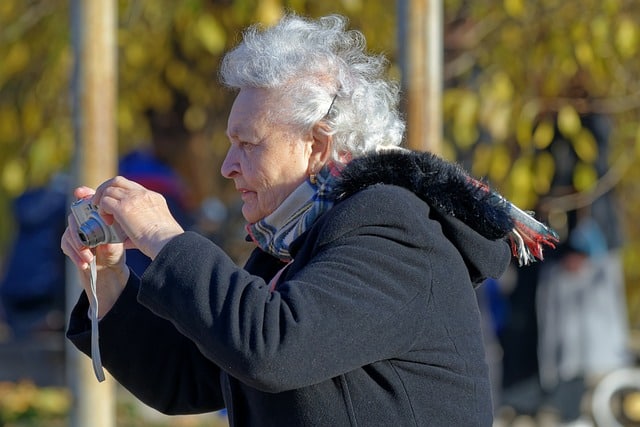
250	214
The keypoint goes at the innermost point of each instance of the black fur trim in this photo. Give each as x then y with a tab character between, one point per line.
445	186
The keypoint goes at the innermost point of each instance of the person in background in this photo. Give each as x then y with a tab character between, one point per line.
583	318
357	306
32	288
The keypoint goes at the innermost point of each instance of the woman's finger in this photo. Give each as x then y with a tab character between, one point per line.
115	182
80	255
83	192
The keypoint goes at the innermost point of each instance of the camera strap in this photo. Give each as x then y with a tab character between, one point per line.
93	315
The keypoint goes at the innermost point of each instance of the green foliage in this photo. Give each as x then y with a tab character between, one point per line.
25	404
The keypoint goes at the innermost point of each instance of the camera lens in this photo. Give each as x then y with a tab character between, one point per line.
92	233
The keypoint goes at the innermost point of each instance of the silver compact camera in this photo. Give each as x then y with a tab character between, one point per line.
92	229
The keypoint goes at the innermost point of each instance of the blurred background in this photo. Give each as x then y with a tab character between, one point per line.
541	99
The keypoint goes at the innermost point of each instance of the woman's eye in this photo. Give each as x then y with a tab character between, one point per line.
246	145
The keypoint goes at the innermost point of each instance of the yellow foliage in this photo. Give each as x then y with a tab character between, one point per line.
125	118
499	122
521	181
584	53
31	116
42	151
156	94
524	123
195	118
501	88
9	129
500	163
464	127
568	66
136	54
543	134
447	150
14	176
269	11
211	34
465	135
627	37
584	176
16	399
200	91
450	99
16	59
25	399
495	105
543	172
7	10
524	130
177	73
521	176
585	146
512	35
514	8
569	122
579	31
481	160
353	6
53	401
600	29
611	6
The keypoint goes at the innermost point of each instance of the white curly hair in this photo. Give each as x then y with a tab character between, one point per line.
322	73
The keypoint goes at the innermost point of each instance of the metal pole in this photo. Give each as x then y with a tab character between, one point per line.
94	94
421	53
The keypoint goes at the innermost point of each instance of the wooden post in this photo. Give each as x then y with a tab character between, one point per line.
421	54
94	95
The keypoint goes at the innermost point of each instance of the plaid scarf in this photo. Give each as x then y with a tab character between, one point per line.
274	233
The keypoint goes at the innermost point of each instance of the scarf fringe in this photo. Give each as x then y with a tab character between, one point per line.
527	244
529	236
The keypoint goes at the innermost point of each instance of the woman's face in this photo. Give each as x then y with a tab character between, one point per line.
266	160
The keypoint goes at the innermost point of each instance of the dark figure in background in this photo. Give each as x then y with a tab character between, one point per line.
32	290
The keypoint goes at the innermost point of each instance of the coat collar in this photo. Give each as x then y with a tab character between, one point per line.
452	192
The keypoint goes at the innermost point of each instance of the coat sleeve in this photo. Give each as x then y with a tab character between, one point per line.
356	300
149	357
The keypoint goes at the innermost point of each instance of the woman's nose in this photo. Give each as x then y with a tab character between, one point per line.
230	166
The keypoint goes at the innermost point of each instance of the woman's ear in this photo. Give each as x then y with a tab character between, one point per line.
320	147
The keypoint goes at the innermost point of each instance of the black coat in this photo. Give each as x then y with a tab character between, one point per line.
375	323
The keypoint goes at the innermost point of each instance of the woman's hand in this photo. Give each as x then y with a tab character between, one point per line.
144	217
112	272
142	214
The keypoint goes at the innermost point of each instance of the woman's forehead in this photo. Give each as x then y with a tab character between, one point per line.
254	108
248	108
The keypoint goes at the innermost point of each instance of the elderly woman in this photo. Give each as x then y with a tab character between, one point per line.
357	306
